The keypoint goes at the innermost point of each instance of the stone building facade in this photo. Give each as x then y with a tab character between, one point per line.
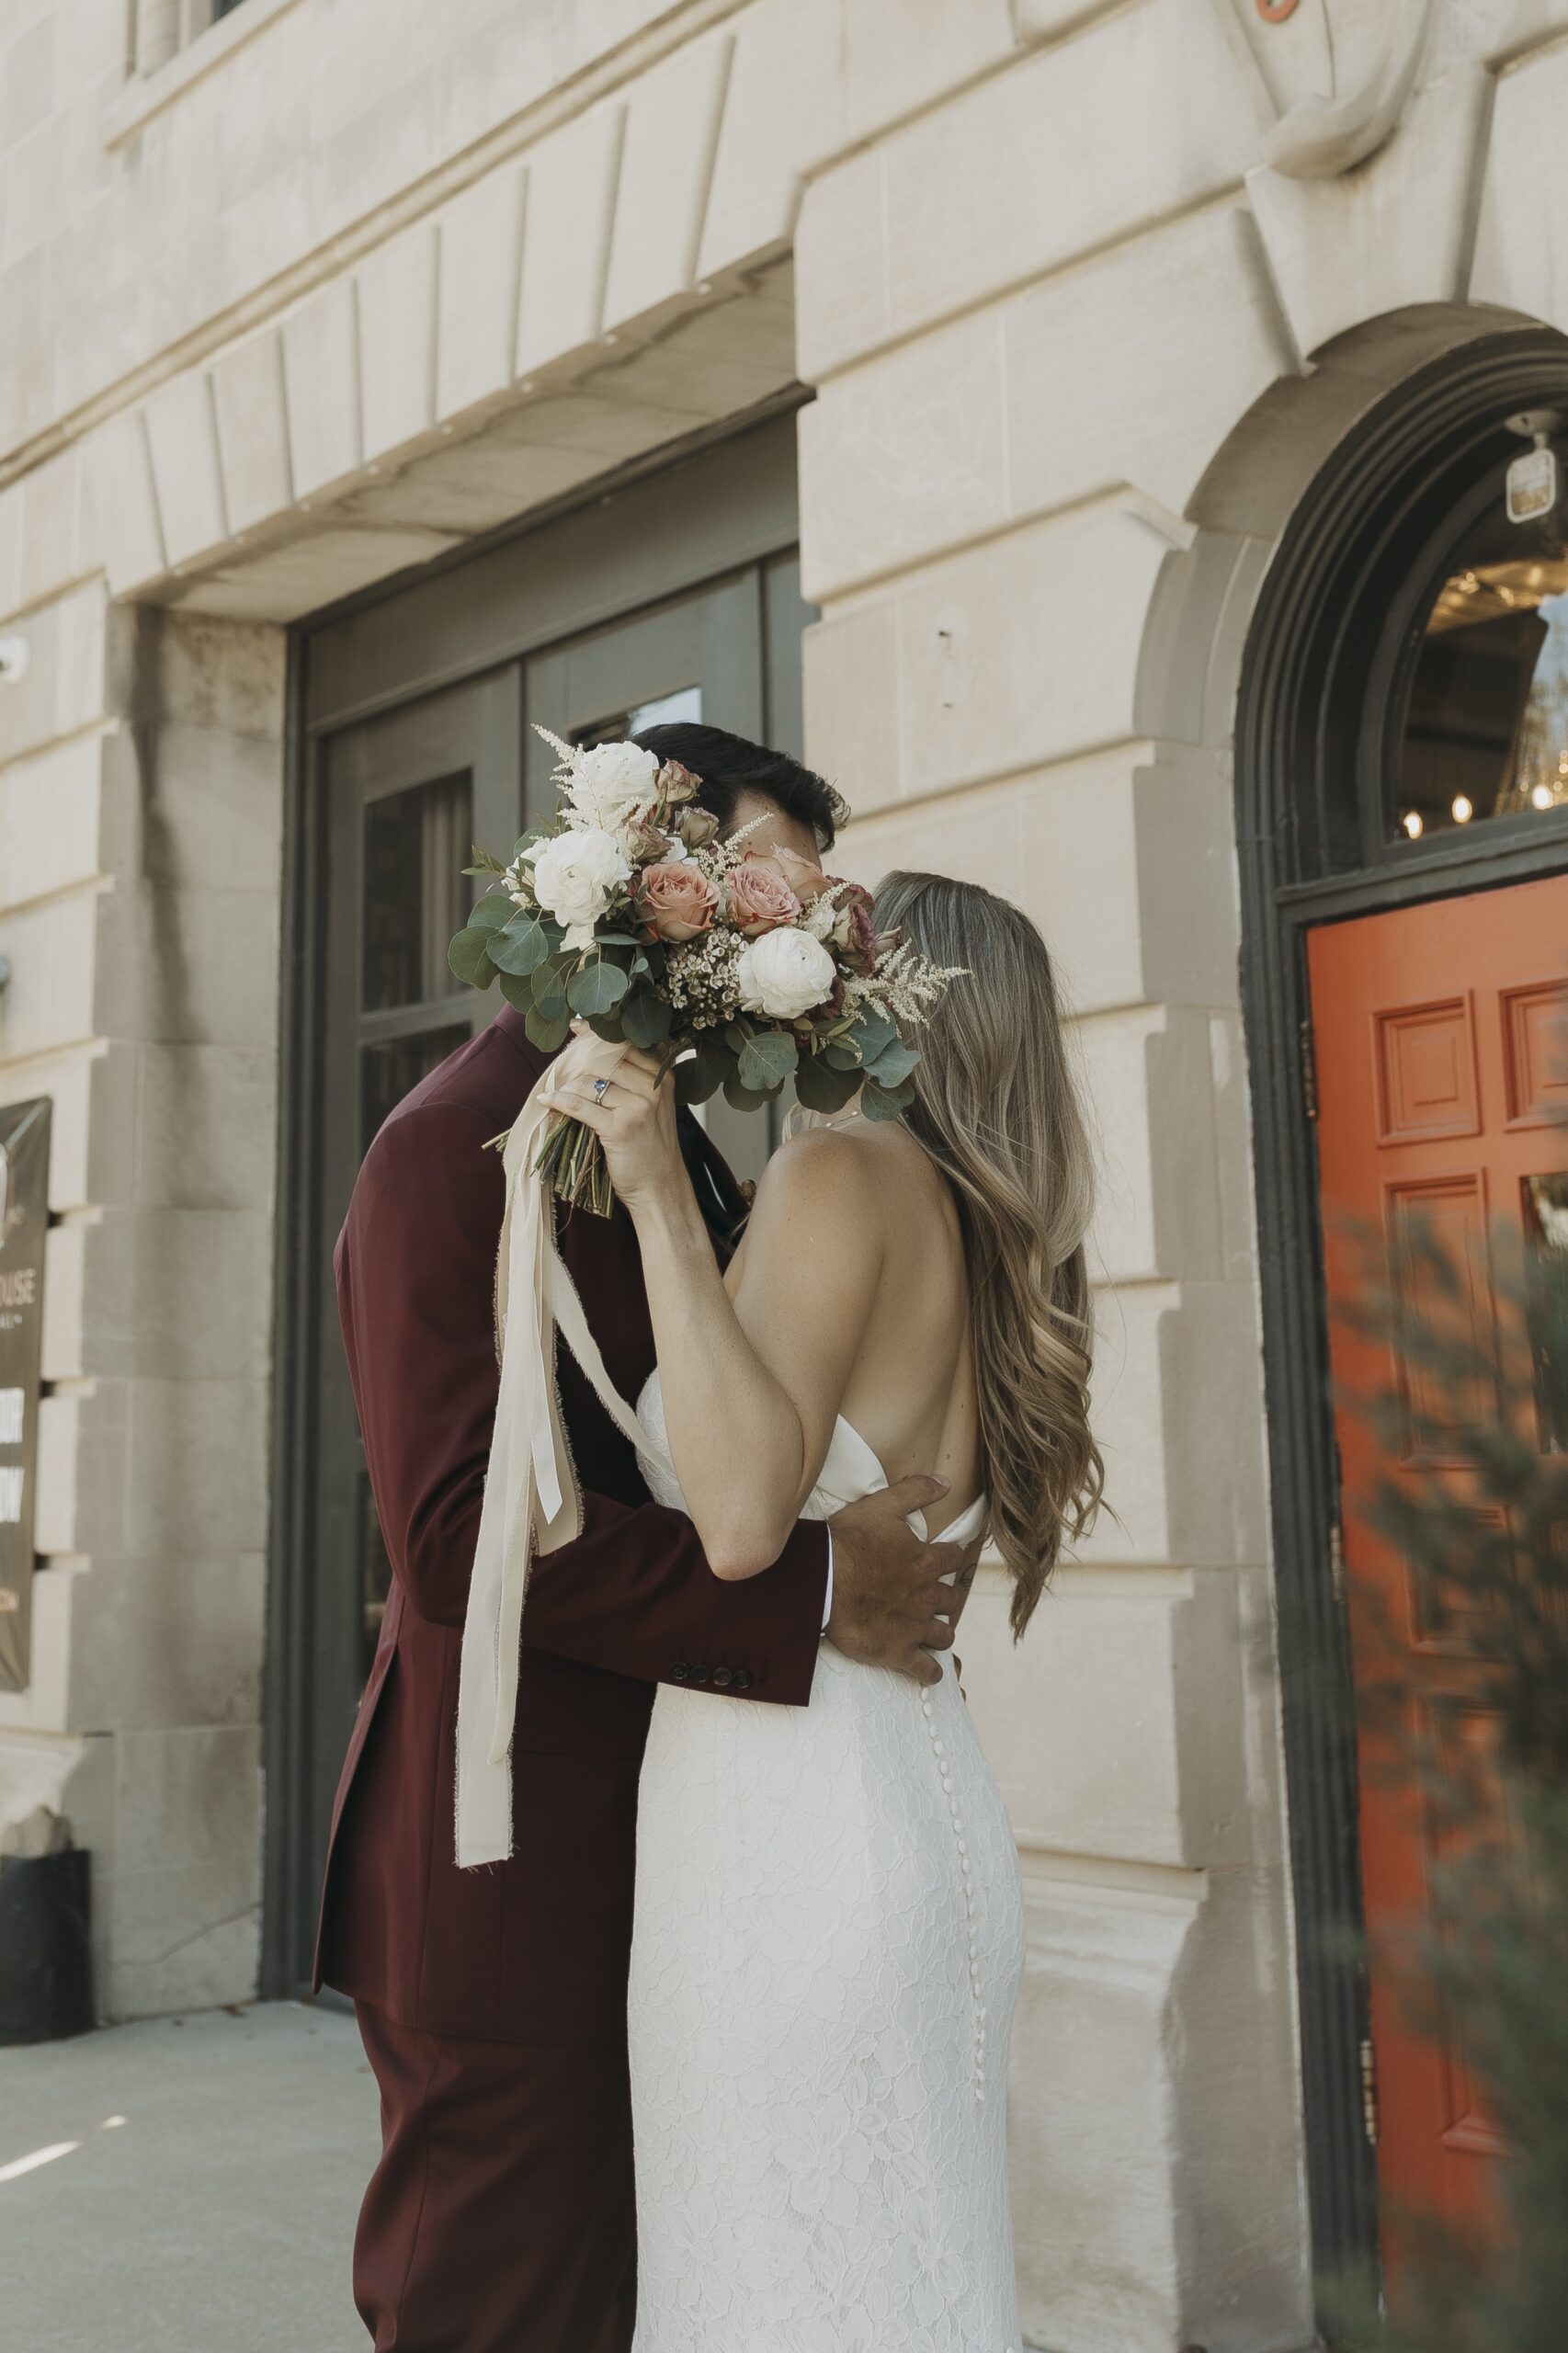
1070	303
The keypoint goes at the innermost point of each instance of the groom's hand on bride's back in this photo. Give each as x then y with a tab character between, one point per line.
891	1604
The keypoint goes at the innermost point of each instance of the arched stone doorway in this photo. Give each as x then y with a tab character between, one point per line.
1312	640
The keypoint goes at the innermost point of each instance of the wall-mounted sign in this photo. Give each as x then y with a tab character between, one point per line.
24	1220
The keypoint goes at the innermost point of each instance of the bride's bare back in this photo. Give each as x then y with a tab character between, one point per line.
865	1198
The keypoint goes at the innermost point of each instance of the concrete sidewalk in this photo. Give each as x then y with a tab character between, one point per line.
186	2186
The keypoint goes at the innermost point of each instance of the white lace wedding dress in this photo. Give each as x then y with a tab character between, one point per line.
829	1937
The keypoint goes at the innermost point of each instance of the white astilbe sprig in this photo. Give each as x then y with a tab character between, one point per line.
902	986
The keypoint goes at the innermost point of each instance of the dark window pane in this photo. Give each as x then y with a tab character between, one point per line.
417	845
1487	725
389	1069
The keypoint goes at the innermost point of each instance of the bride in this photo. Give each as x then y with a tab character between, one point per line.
829	1924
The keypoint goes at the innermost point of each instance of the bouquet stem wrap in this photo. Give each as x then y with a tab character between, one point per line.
531	1497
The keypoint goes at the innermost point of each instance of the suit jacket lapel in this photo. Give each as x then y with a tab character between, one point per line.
724	1206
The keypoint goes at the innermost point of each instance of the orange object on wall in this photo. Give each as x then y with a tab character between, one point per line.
1440	1041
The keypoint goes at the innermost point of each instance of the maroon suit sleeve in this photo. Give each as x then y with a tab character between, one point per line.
634	1593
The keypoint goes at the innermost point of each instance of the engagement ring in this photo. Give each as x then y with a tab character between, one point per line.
599	1085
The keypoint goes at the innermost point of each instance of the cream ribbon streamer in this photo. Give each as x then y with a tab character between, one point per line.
532	1498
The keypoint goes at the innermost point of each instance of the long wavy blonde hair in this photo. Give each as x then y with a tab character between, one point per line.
996	1109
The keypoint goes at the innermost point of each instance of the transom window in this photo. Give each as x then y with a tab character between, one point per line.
1486	722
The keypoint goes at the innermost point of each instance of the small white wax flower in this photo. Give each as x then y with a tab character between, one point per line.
610	784
575	877
784	975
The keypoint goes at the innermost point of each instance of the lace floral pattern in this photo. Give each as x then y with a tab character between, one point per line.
828	1943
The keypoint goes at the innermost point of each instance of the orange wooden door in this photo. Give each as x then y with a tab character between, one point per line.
1442	1062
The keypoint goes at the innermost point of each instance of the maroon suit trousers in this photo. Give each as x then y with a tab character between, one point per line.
501	2215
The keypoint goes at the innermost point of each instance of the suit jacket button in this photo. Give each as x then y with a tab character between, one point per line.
722	1678
700	1673
740	1679
679	1671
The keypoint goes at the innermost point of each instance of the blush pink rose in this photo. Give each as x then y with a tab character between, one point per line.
677	902
760	899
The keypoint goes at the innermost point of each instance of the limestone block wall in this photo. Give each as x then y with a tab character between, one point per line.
141	911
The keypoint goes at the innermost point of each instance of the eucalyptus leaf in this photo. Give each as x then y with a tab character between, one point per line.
546	1034
745	1099
549	988
873	1034
767	1060
597	988
697	1080
645	1020
521	948
894	1063
494	910
709	1067
886	1102
469	957
822	1086
517	992
841	1057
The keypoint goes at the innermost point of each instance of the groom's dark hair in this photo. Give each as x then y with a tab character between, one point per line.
730	765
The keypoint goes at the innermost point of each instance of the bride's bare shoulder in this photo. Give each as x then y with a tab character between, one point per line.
848	1179
818	1168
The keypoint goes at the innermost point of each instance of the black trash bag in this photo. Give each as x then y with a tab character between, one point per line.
46	1983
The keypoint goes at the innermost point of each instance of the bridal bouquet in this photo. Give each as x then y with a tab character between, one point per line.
630	914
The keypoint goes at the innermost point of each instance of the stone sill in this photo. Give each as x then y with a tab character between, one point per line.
144	97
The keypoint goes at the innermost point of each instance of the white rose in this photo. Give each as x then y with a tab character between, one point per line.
575	877
610	784
784	973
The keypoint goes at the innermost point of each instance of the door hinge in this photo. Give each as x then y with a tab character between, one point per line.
1370	2094
1309	1069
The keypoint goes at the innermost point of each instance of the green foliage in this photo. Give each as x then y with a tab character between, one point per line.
767	1060
1487	1553
704	1075
893	1065
597	987
740	1097
823	1083
520	947
469	956
645	1018
547	1031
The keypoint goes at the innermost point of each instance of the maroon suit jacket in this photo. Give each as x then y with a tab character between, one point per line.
534	1949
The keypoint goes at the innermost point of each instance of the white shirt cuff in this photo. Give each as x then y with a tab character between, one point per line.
827	1597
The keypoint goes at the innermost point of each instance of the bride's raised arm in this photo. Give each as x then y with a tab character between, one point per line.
753	1372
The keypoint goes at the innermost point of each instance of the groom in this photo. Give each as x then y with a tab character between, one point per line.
492	2003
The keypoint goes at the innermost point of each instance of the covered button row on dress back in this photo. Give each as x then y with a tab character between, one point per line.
966	1872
